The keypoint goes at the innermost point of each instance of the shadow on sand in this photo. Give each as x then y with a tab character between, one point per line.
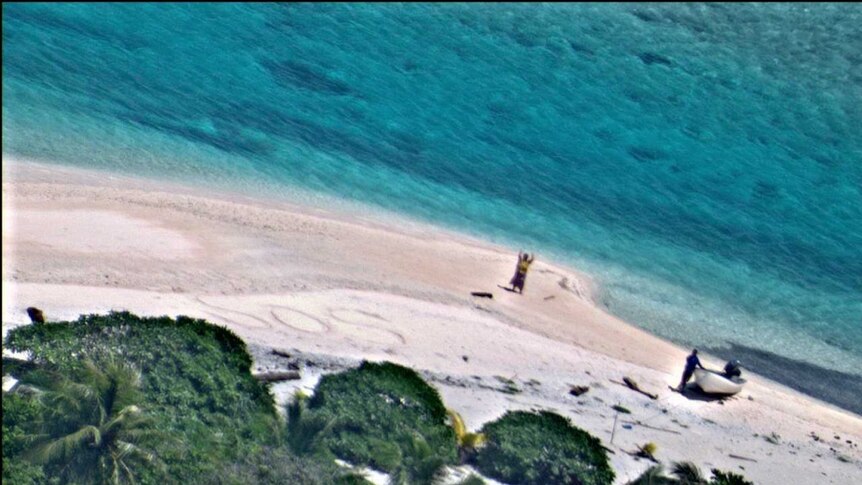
692	392
510	290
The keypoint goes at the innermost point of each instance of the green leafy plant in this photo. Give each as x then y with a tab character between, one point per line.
195	384
538	448
93	425
379	415
728	478
687	473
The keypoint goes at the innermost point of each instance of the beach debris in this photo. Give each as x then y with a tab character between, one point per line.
657	428
740	457
774	438
631	384
281	353
277	376
482	294
551	297
465	358
509	386
578	390
843	458
36	315
674	420
620	409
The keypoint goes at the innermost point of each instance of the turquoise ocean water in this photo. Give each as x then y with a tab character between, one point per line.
703	162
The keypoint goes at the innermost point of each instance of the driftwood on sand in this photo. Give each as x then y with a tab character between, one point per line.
738	457
281	353
657	428
578	390
631	384
277	376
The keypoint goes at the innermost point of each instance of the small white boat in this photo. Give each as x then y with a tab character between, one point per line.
712	382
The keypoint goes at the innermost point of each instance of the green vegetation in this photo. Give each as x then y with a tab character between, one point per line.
278	465
91	425
195	391
539	448
379	415
122	399
509	386
620	409
472	480
18	411
686	473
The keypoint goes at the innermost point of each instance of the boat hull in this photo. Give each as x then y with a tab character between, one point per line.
714	383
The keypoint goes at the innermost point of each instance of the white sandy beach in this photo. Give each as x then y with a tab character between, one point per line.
352	286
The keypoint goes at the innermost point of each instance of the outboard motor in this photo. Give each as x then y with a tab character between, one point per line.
733	369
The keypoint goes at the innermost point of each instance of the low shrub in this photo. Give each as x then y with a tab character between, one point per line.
541	448
379	415
275	466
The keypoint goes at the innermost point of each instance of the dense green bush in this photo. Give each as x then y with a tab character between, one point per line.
276	466
379	415
542	448
18	412
196	383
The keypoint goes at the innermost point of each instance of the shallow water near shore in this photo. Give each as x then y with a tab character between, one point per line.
701	162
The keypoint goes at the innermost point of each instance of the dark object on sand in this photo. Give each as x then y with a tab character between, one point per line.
36	315
738	457
482	294
621	409
578	390
281	353
277	376
631	384
657	428
549	298
466	359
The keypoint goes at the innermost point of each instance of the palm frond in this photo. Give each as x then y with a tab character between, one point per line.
688	473
653	475
125	448
63	448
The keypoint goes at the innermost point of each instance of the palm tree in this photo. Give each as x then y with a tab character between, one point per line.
92	426
688	473
653	476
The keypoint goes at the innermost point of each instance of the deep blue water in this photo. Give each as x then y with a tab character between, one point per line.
702	161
